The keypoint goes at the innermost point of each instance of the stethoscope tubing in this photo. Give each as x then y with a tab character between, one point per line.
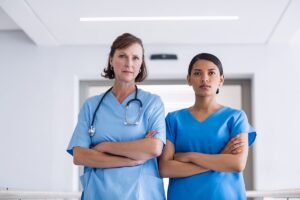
92	129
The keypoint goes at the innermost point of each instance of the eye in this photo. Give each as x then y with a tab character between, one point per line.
136	58
197	73
121	56
211	73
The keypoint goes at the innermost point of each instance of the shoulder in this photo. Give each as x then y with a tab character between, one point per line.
91	102
233	111
149	97
234	114
176	114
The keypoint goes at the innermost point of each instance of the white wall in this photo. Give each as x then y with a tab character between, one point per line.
37	106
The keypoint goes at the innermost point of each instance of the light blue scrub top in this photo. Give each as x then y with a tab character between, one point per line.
141	182
209	136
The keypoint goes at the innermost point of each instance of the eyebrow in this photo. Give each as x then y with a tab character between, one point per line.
121	52
211	69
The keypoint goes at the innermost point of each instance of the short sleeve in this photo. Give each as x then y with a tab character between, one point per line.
157	119
80	137
241	125
169	129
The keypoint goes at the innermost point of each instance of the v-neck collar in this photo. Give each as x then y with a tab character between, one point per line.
207	118
123	104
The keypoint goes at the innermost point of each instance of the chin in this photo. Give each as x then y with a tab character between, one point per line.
204	94
127	80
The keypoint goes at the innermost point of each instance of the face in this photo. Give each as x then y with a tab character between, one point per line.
205	78
127	63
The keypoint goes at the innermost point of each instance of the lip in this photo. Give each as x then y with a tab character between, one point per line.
129	72
204	86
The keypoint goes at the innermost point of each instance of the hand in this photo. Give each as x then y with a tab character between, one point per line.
182	157
234	146
150	134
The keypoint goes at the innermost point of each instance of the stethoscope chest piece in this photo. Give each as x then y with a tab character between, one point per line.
92	131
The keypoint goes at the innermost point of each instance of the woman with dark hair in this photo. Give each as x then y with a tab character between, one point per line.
120	133
206	149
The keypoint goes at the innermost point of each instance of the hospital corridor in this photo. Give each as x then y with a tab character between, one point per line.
142	100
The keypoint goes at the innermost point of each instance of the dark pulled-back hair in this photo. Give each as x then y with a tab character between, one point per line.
206	56
121	42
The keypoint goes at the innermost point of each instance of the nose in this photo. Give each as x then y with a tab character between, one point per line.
204	78
129	62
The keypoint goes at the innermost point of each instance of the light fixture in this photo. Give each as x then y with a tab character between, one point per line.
170	18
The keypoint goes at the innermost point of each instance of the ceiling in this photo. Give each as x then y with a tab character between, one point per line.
56	22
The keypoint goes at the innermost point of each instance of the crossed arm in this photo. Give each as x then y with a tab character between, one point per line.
232	158
119	154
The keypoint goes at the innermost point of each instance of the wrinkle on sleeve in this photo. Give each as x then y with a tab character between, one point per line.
81	137
241	125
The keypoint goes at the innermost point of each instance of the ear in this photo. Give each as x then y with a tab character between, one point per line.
110	61
188	79
221	80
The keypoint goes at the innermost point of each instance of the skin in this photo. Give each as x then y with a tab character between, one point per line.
126	64
205	78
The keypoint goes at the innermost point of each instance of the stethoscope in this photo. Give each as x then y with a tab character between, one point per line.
92	129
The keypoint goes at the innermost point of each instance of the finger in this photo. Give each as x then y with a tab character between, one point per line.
148	134
237	141
237	150
151	134
233	141
236	138
154	132
234	146
238	145
234	152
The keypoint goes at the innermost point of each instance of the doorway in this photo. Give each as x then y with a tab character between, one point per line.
177	94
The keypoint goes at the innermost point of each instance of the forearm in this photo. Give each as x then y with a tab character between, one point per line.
219	162
95	159
142	149
176	169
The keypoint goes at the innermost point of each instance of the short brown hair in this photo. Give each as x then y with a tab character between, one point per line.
121	42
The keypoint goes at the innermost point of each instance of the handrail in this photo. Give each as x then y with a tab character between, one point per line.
289	193
19	194
23	194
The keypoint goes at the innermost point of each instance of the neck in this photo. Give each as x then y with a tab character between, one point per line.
121	91
205	104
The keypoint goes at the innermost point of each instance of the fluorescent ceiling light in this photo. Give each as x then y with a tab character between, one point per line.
173	18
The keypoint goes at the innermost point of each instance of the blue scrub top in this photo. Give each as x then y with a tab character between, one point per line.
209	136
131	183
